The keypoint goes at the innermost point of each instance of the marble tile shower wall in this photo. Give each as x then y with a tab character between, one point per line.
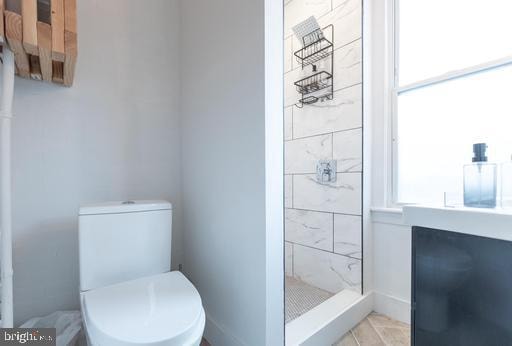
323	221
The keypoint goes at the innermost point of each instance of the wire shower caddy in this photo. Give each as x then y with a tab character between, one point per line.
319	86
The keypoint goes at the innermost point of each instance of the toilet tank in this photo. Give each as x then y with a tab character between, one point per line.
121	241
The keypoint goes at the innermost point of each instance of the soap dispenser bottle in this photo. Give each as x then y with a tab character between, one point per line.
480	179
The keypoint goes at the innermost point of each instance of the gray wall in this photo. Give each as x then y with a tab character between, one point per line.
223	110
114	135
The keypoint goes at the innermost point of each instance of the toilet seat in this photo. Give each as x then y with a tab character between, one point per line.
160	310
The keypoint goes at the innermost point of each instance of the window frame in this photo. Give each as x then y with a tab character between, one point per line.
395	90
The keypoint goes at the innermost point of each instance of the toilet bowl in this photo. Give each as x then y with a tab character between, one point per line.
160	310
128	294
441	269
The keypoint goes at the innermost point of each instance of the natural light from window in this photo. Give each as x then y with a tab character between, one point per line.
437	36
437	123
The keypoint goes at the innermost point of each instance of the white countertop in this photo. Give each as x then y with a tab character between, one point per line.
491	223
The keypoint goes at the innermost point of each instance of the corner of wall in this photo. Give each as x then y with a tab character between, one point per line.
216	334
393	307
367	146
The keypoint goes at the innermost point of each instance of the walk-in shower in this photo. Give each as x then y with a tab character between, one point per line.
323	119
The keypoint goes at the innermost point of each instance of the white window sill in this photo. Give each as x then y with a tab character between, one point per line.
393	216
490	223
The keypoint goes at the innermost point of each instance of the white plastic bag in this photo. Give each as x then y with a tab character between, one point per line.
67	323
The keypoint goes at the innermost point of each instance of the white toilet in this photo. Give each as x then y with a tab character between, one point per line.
128	294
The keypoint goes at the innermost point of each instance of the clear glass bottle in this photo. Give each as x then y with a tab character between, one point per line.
480	180
506	184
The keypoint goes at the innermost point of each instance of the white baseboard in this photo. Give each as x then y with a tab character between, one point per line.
326	323
393	307
217	335
329	321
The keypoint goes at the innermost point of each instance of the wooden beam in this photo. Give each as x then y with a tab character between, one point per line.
29	16
14	34
58	49
70	41
2	31
70	16
44	35
58	72
71	54
35	68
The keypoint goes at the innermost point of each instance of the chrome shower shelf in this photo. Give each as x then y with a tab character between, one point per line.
309	100
313	83
316	47
313	52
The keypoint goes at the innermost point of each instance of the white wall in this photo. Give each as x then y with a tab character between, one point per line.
391	265
391	255
224	166
113	136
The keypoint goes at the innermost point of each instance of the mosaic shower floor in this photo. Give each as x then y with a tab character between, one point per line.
301	297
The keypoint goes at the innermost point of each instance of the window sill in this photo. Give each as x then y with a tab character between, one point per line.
393	216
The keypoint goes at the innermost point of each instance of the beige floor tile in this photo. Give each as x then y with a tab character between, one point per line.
366	335
378	320
393	336
377	330
407	333
347	340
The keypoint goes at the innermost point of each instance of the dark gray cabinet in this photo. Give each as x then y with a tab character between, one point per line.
461	289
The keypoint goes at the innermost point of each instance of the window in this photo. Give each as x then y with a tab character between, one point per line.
452	88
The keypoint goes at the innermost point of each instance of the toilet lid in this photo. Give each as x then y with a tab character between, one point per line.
145	310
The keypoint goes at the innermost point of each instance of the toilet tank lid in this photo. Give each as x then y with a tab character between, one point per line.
124	207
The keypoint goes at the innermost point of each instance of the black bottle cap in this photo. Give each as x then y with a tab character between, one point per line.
479	151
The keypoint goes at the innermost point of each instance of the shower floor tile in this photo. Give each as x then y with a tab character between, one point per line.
302	297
